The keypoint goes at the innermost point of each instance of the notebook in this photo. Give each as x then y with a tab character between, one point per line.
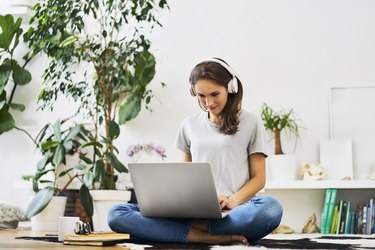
179	190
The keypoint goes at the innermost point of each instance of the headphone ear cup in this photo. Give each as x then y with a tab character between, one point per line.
230	86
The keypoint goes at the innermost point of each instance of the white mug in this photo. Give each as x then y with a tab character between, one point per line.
66	226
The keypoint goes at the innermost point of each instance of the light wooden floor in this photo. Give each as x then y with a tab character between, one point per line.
8	241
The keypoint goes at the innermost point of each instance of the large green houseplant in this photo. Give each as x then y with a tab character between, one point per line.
11	70
100	57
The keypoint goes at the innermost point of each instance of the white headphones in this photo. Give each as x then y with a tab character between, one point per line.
232	84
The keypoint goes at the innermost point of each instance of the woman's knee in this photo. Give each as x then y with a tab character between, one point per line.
117	214
272	211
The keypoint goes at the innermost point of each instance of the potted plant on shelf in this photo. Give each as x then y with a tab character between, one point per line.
100	57
53	175
10	70
282	166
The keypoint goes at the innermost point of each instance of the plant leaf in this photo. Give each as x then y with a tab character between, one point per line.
20	76
88	179
6	120
86	200
114	130
57	130
99	171
79	166
40	201
116	163
5	71
59	156
17	106
129	109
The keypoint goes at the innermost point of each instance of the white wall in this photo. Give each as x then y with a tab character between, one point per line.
287	53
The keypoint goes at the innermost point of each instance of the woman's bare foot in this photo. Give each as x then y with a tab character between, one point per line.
198	236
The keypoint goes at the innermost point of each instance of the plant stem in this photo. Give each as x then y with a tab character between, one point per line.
27	133
278	149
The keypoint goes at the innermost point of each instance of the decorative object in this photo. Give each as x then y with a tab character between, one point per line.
283	229
146	152
336	157
10	215
310	225
349	120
312	171
282	167
11	70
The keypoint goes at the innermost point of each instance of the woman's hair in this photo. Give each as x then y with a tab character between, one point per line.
211	70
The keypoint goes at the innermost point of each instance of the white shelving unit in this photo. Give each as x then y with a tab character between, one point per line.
323	184
300	199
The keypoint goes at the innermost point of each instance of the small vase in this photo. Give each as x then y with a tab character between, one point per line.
282	167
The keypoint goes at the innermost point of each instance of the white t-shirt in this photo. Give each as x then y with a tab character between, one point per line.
227	154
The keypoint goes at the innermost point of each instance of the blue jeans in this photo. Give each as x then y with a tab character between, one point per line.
254	219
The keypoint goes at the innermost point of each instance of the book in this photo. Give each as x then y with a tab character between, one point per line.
343	217
369	216
331	208
323	224
94	243
96	237
334	219
338	217
347	218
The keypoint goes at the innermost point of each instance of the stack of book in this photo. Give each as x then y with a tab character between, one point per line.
96	239
344	218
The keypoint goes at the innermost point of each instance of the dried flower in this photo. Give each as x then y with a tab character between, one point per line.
148	148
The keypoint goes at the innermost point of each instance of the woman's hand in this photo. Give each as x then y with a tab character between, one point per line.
227	203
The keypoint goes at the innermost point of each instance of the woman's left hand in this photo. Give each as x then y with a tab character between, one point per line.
228	203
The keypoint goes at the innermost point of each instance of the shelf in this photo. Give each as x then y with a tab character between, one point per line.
324	184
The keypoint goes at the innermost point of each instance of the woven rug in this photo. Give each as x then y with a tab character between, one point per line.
323	242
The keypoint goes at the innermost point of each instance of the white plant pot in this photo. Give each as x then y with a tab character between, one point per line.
103	201
48	219
282	167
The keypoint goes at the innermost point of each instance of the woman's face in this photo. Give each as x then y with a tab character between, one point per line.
211	95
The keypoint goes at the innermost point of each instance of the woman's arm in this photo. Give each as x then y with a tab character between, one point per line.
257	165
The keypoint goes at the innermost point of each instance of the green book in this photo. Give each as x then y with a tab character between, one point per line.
339	218
331	208
347	220
334	219
323	224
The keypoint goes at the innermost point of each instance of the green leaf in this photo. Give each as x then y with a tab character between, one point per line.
5	71
73	132
86	159
40	201
99	170
2	103
114	130
116	163
59	156
68	41
42	163
86	200
17	106
79	166
88	179
65	172
47	145
20	76
57	130
9	29
6	120
130	109
92	143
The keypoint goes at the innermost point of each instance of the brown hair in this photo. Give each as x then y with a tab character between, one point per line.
210	70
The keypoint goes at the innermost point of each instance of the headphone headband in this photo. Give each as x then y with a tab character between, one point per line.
233	83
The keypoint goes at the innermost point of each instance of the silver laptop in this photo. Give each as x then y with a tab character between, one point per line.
182	190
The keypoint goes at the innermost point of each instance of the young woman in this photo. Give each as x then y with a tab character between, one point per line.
233	141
